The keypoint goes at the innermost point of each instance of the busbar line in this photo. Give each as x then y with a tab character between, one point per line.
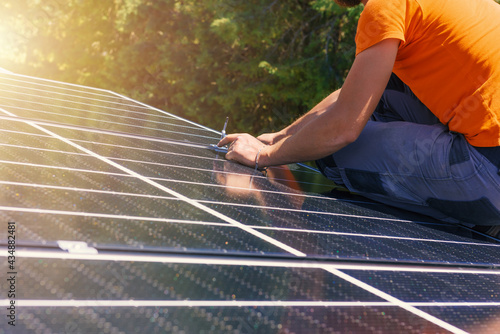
100	113
225	259
195	222
200	202
112	99
187	303
37	82
133	127
228	303
79	170
167	113
110	216
104	132
170	191
396	301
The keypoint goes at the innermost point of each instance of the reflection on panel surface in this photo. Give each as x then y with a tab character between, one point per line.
83	181
133	141
433	287
97	203
472	319
242	320
93	110
99	282
105	280
136	233
394	249
27	156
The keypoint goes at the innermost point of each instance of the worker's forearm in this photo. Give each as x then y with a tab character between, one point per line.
333	124
319	109
323	135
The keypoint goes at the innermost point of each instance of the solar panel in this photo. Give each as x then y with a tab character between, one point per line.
118	218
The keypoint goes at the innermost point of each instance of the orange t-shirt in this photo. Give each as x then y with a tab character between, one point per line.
449	55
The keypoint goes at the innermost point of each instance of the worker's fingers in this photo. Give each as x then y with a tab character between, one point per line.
228	139
243	148
242	155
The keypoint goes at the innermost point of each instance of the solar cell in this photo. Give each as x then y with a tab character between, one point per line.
125	221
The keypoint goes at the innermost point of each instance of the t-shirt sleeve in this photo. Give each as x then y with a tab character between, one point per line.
380	20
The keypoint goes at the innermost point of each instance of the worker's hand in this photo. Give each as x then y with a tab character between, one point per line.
243	148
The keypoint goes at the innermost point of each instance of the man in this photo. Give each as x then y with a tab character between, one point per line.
430	144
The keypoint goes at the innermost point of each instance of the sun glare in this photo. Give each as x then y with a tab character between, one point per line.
9	48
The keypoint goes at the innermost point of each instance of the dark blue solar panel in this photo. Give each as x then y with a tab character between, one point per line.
472	319
216	320
452	286
392	249
126	221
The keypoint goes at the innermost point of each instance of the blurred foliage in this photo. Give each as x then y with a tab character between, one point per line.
261	62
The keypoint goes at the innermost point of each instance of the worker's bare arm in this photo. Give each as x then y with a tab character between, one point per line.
332	125
273	138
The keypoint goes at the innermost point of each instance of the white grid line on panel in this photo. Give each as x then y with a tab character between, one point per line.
376	236
117	123
86	190
139	104
228	260
31	148
309	170
333	214
80	170
194	222
396	301
454	304
326	213
60	100
37	82
187	303
112	216
176	194
52	92
104	132
230	303
113	145
24	133
291	193
254	175
312	171
139	120
148	150
258	176
169	114
143	162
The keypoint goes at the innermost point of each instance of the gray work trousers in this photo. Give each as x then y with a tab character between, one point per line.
406	158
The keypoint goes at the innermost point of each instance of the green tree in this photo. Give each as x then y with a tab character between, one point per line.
261	62
61	40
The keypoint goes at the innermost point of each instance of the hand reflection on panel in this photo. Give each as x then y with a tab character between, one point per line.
259	187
